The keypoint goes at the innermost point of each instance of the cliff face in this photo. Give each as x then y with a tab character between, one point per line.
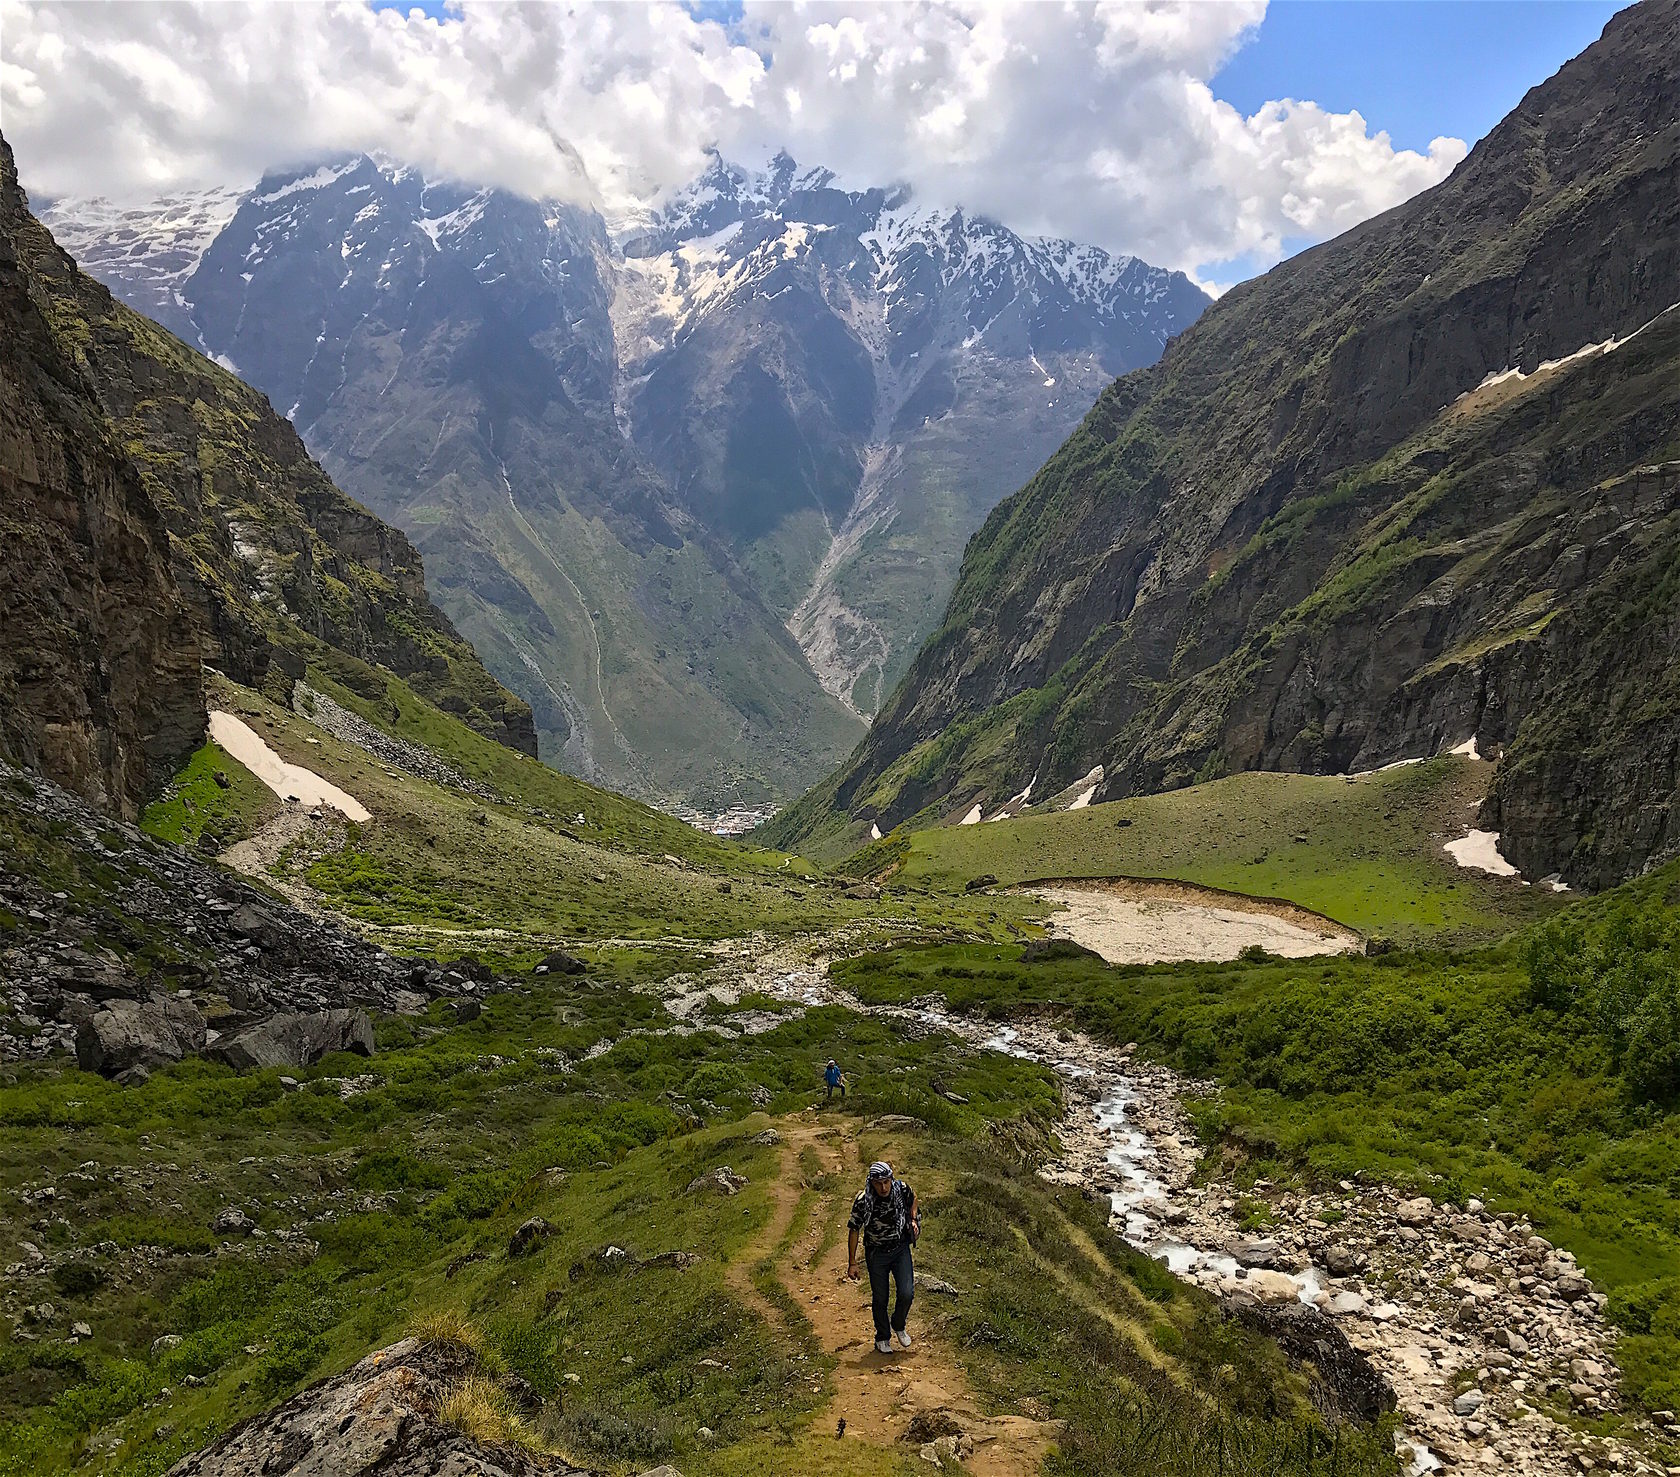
1380	500
273	561
99	658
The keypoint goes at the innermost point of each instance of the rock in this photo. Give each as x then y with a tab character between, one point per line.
1275	1287
81	1331
936	1285
1344	1384
1257	1252
980	883
130	1034
467	1010
1468	1403
164	1342
860	891
1510	1339
1418	1212
720	1181
1572	1288
230	1220
296	1039
1342	1261
381	1417
560	962
768	1138
529	1236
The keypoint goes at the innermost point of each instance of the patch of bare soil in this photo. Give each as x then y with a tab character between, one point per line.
1139	922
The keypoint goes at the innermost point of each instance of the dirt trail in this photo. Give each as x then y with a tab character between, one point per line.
291	826
878	1395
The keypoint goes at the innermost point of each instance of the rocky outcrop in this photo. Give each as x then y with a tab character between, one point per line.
212	494
389	1415
296	1039
99	660
1407	488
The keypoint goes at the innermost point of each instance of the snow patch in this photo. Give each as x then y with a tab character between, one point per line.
973	817
288	781
1082	799
319	180
1467	749
874	831
1479	851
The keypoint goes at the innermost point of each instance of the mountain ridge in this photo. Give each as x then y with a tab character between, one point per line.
254	551
1161	597
740	502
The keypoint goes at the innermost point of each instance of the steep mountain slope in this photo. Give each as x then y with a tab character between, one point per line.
99	661
1375	503
449	356
636	464
165	456
842	384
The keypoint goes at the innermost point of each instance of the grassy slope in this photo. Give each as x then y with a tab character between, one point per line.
411	1187
1435	1069
436	861
1366	853
194	805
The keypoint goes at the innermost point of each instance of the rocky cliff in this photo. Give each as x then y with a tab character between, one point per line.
272	560
99	658
1411	487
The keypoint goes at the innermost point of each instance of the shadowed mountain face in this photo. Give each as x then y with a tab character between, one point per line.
1415	485
159	514
842	384
696	491
449	356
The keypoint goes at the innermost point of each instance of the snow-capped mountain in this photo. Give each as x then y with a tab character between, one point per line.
150	250
843	383
636	459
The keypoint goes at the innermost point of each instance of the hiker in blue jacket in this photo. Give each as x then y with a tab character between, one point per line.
833	1081
886	1216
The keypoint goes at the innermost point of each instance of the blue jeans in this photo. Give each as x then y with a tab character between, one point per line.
884	1262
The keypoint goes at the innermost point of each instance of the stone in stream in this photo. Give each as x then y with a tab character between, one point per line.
1261	1251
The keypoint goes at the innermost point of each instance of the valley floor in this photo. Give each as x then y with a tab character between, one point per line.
622	1183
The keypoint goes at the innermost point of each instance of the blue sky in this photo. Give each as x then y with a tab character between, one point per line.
1418	68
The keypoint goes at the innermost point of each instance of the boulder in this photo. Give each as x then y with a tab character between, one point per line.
721	1181
297	1039
560	962
1342	1261
529	1236
1344	1384
232	1221
1419	1212
129	1035
1261	1251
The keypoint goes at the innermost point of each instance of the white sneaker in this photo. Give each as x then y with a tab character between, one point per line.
904	1337
883	1346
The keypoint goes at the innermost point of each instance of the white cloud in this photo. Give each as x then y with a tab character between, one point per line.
1094	121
